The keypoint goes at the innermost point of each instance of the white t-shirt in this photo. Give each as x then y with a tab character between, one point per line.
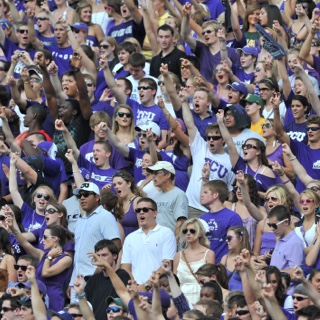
220	169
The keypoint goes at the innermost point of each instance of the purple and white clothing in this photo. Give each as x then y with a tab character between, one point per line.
31	219
309	159
92	41
61	57
219	222
210	61
277	155
297	131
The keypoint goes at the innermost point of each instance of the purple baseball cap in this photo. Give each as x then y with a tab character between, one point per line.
238	86
249	50
80	26
5	24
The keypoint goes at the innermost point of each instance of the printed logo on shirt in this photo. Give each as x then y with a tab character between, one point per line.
61	56
121	32
19	66
216	169
97	177
34	227
138	163
295	135
316	165
144	116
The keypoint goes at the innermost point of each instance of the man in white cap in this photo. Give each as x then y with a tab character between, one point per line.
172	202
95	224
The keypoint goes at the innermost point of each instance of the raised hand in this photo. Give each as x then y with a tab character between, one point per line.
149	134
103	126
261	277
276	167
297	274
40	60
69	155
164	69
132	288
11	81
52	68
206	170
55	252
221	35
14	157
24	75
275	100
267	291
104	62
183	95
60	126
97	261
240	177
31	274
166	266
239	264
220	116
63	22
75	61
160	102
79	284
286	149
3	115
259	309
155	279
186	9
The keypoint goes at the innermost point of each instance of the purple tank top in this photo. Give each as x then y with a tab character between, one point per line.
276	155
129	221
268	241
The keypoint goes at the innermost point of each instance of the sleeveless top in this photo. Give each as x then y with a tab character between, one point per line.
188	284
234	279
250	224
276	155
54	284
268	240
129	221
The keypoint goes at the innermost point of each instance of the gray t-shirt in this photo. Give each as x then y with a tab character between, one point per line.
171	206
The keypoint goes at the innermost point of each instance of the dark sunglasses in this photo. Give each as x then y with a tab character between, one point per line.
266	199
17	267
6	309
36	80
140	134
235	188
299	298
266	125
2	218
242	312
84	194
42	18
192	231
264	89
214	138
89	84
313	128
23	31
215	71
229	238
46	237
305	201
1	69
144	88
248	146
144	209
104	46
50	211
44	196
113	309
207	32
75	30
122	114
314	188
161	83
275	225
75	315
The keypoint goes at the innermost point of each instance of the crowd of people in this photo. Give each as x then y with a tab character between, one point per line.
159	159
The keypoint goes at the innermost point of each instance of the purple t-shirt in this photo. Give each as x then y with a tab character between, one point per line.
31	219
52	171
144	114
136	157
92	41
4	159
61	57
244	77
100	177
297	131
47	41
309	159
117	161
219	222
210	61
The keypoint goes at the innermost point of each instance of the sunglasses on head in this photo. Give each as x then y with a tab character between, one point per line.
266	199
104	46
17	267
50	211
36	80
144	209
6	309
185	231
144	88
140	134
313	128
229	238
298	298
242	312
122	114
275	225
21	31
84	194
42	18
214	138
161	83
207	32
314	188
248	146
113	309
305	201
266	125
42	195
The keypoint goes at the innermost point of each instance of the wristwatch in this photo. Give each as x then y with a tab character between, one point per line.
148	288
49	258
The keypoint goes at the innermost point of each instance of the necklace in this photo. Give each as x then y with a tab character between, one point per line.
126	207
32	225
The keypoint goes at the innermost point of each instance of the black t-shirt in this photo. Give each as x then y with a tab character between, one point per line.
98	288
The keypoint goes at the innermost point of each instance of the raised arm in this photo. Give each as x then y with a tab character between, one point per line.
185	27
313	254
13	184
233	153
156	301
16	95
187	115
112	84
38	307
278	126
114	140
235	25
286	85
78	178
79	285
36	43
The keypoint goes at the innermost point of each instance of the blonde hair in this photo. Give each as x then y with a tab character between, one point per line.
135	42
200	233
115	125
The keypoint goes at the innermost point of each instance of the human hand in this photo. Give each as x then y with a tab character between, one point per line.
63	22
24	75
286	149
166	266
276	167
70	157
186	9
52	68
132	288
220	116
275	100
75	61
164	69
60	126
79	284
239	264
240	177
261	277
221	35
11	81
183	95
161	102
104	62
97	261
297	274
154	279
103	126
206	170
31	274
55	252
40	60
